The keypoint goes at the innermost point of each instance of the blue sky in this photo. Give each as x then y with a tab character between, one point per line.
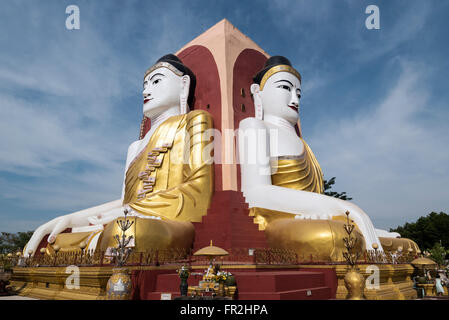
374	107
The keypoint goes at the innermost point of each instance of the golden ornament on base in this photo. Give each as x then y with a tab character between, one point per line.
355	284
119	285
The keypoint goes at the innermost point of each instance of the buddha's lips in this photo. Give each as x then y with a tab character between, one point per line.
293	107
146	100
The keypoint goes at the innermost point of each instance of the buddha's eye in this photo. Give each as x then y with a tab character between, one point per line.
145	83
283	86
156	81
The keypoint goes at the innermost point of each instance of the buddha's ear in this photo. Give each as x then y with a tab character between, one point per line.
184	95
255	88
258	109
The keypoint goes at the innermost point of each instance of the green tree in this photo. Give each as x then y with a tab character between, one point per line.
438	253
328	185
427	231
13	242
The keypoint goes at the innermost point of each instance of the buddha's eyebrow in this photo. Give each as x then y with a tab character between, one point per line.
156	74
285	81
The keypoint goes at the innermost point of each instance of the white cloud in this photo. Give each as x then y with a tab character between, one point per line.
52	82
330	41
392	163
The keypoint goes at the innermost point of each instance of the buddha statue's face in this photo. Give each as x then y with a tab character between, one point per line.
280	96
161	91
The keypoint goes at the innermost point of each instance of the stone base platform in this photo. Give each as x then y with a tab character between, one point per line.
268	283
254	282
395	282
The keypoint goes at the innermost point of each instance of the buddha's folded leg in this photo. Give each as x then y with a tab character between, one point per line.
316	240
150	234
72	242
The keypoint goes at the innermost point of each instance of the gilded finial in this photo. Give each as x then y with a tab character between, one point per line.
122	250
350	242
354	281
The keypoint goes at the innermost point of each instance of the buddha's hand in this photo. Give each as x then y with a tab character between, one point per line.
363	222
99	215
54	227
103	219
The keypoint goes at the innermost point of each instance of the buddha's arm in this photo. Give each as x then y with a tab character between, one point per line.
73	220
189	200
259	191
132	153
387	234
104	214
308	205
98	215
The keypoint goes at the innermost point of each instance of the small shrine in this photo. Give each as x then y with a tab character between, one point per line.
214	282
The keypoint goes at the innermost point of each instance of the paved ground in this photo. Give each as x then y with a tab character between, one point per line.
16	298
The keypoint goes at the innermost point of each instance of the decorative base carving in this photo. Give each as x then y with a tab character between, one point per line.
395	282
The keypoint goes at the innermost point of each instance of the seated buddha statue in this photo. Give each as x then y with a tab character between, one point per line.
282	180
168	180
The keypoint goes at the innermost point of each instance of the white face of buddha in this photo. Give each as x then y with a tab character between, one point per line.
161	91
280	96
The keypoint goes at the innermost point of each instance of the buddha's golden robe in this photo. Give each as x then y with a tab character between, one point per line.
318	240
172	177
299	173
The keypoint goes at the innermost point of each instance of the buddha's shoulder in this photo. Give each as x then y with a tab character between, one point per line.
199	116
134	145
252	123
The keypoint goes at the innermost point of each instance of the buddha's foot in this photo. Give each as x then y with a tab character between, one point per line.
404	245
312	240
71	242
312	217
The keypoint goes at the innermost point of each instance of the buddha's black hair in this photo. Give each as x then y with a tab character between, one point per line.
270	63
177	63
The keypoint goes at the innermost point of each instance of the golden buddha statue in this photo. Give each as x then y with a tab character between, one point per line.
281	179
168	180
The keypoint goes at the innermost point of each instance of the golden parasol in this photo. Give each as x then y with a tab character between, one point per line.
211	252
423	264
420	262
